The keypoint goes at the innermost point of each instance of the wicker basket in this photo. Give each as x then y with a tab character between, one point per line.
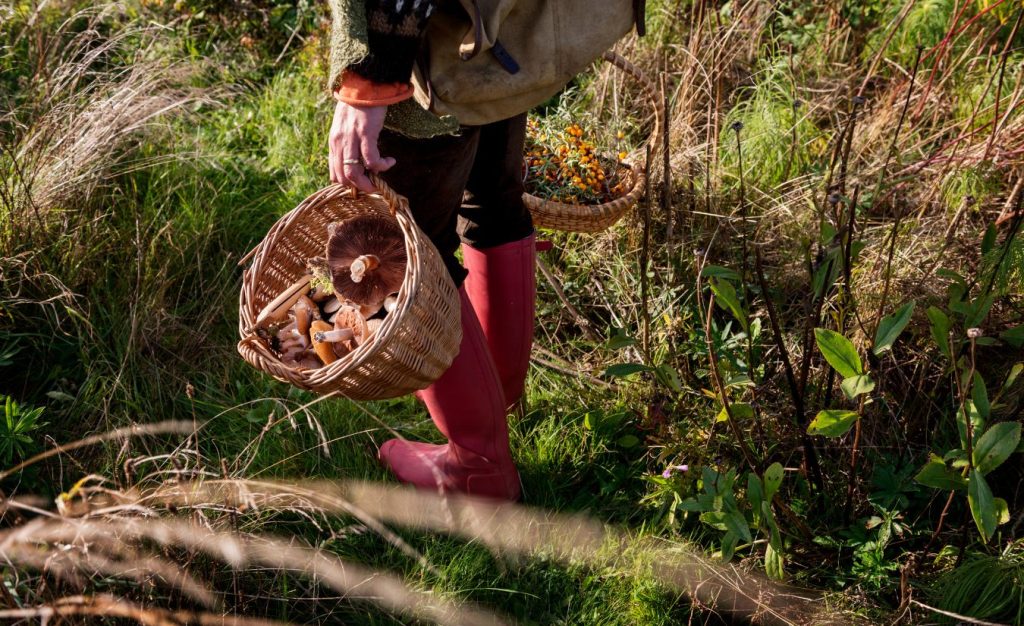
590	218
417	341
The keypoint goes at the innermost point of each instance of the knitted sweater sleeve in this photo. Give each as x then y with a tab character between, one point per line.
393	32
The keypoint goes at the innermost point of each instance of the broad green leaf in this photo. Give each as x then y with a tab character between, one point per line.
740	411
714	519
736	523
979	394
983	506
772	481
717	271
891	326
969	411
1002	511
940	330
774	536
832	423
839	352
729	541
1013	375
988	242
978	311
621	370
668	376
995	446
618	342
755	494
628	441
857	385
725	296
1014	336
936	475
774	565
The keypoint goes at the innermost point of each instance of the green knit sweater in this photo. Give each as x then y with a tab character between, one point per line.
350	48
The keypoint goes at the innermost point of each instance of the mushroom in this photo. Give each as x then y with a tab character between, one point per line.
372	326
323	345
366	256
349	318
305	311
391	302
278	308
332	306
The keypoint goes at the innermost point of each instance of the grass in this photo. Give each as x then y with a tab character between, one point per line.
119	244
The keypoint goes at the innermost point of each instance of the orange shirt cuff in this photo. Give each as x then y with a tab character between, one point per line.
358	91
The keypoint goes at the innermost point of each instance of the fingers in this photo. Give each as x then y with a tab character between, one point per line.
353	171
371	155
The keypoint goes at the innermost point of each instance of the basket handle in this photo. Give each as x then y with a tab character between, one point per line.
654	97
393	198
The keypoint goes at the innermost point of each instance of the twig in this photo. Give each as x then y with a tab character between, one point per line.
956	616
581	321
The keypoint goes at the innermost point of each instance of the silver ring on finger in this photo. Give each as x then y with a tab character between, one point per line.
353	162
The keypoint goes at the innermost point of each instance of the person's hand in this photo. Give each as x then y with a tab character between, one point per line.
352	145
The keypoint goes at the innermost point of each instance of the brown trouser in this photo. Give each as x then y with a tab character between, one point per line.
469	186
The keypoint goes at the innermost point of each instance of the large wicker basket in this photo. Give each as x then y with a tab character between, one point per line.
590	218
417	341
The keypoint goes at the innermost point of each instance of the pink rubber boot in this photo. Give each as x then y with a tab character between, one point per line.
468	407
502	285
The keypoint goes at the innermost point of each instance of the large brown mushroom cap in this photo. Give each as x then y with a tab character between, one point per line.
366	255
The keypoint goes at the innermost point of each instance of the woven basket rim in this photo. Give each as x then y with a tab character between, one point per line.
611	209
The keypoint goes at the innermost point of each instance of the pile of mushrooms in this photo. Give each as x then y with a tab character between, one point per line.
343	298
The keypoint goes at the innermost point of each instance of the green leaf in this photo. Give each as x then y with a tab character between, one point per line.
983	506
669	377
978	311
857	385
729	541
995	446
755	493
969	411
714	519
740	411
772	481
628	441
774	565
737	524
725	296
1013	375
891	326
717	271
621	370
839	352
1014	336
832	423
979	394
940	330
936	475
1002	511
988	242
618	342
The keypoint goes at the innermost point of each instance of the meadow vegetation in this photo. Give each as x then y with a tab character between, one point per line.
787	388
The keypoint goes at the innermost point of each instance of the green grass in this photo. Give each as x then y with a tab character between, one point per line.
119	306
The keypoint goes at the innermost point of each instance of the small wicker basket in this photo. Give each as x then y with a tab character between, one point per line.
591	218
417	341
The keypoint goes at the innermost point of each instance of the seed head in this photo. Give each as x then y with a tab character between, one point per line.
737	126
974	333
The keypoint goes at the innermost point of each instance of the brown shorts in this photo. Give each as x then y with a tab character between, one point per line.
468	186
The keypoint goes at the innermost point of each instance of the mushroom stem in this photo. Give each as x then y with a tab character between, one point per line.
334	336
278	308
363	264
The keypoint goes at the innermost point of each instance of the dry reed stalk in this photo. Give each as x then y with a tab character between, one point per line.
514	529
353	580
89	111
109	606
